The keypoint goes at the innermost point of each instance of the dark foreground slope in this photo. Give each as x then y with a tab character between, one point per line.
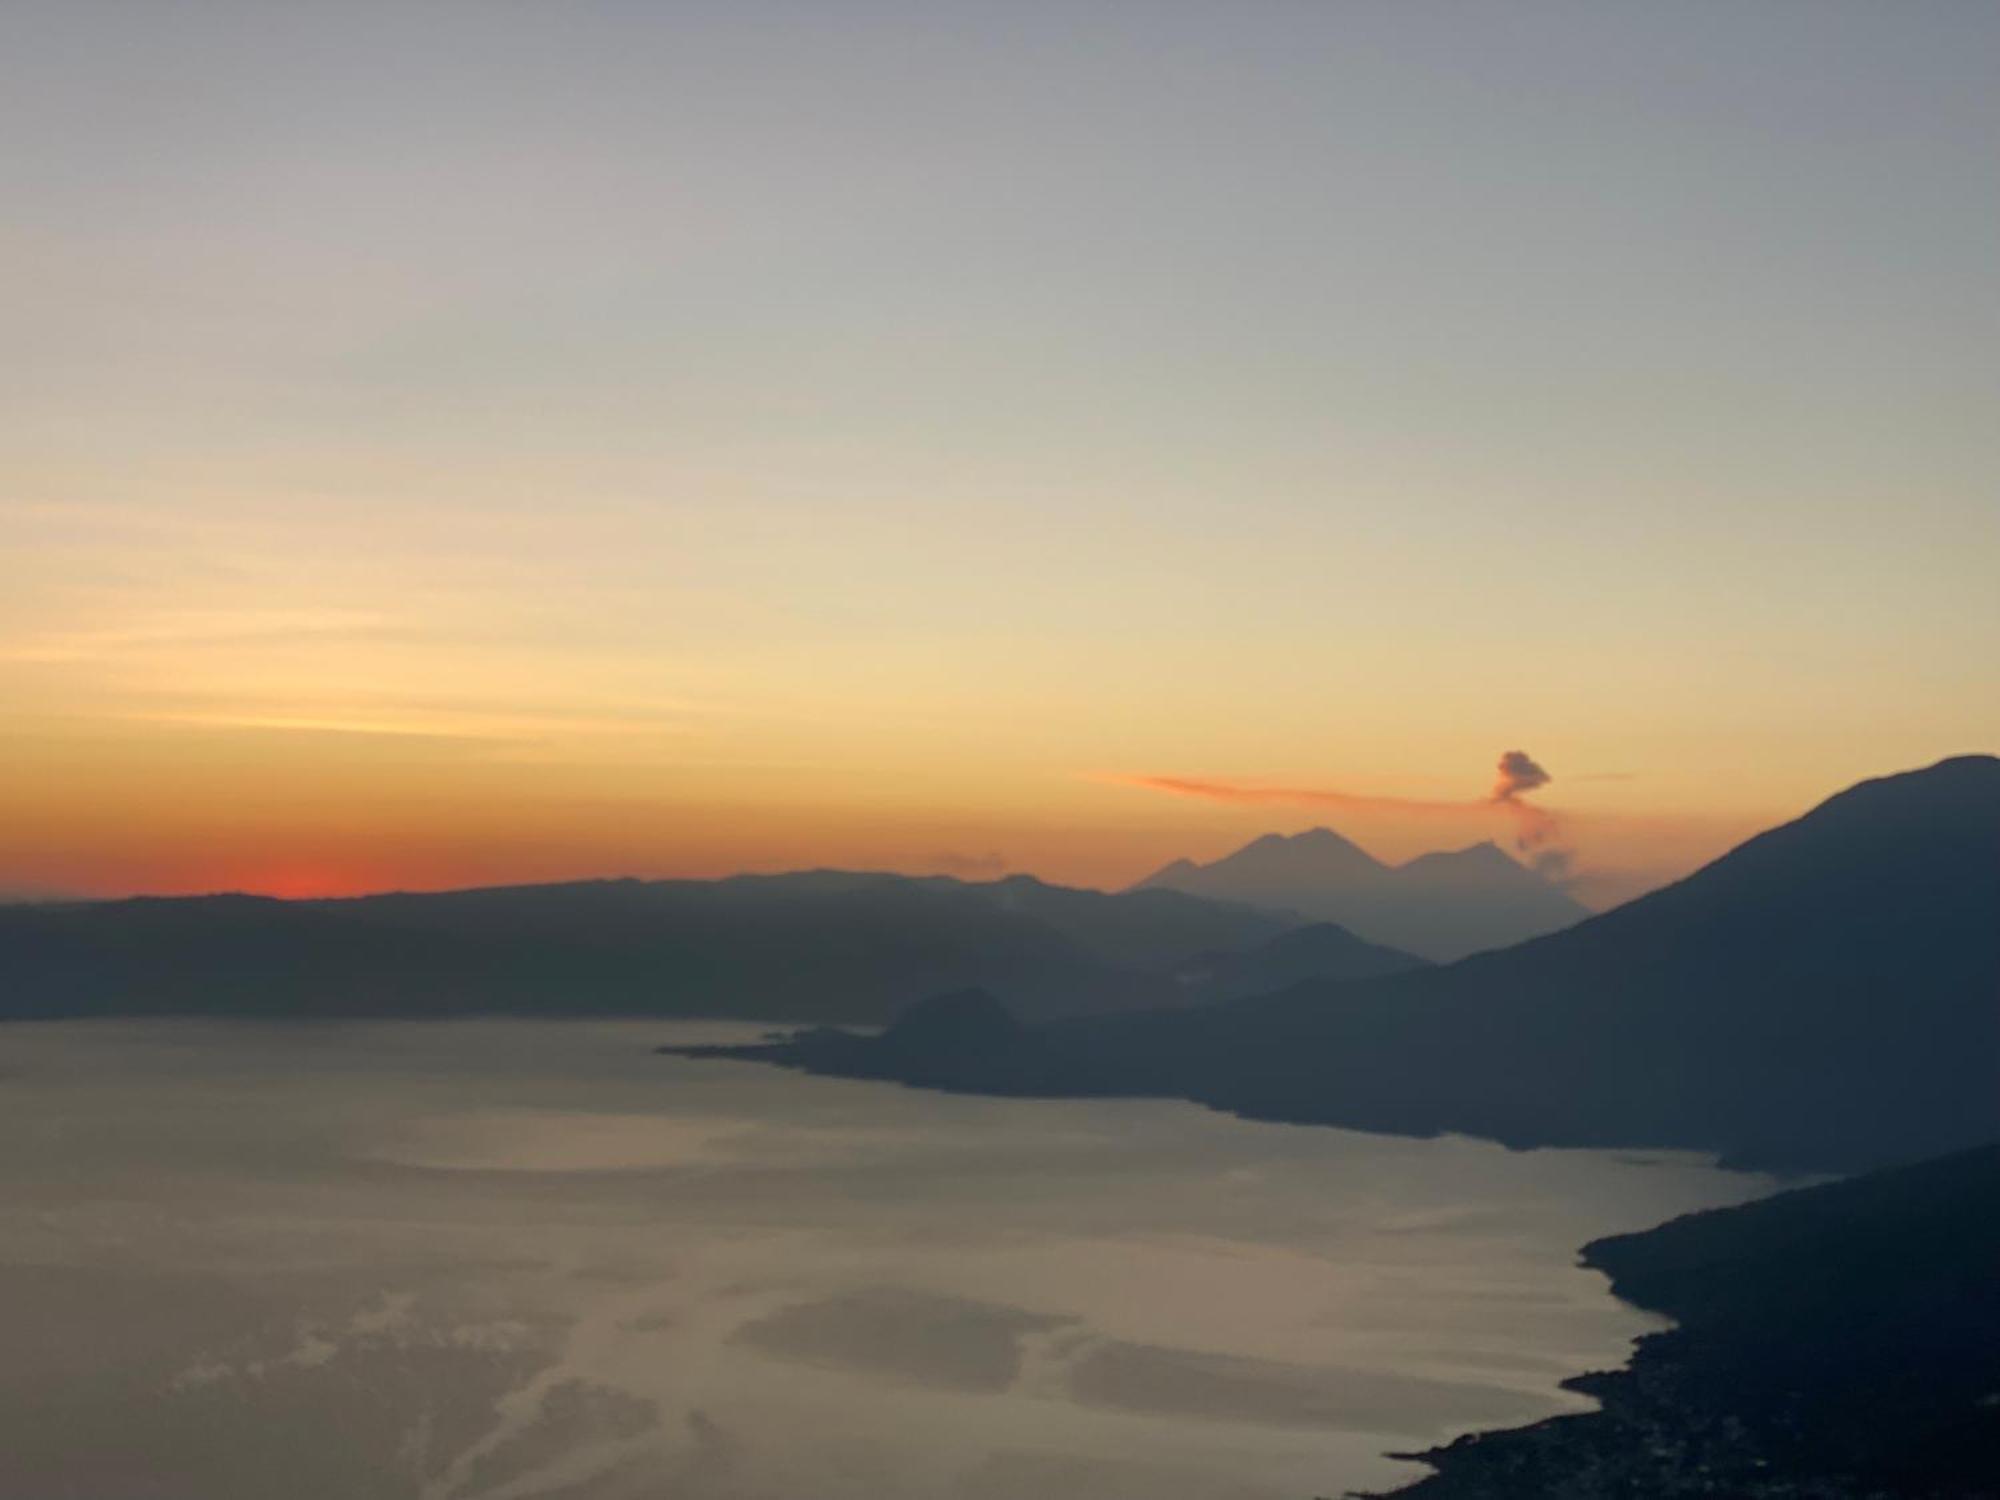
820	946
1825	996
1321	950
1837	1342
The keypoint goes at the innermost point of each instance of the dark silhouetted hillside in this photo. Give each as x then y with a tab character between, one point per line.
1838	1342
1826	995
1320	950
820	946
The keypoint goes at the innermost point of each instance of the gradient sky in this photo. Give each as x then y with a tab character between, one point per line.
456	443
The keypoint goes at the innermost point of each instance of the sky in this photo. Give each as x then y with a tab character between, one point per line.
468	443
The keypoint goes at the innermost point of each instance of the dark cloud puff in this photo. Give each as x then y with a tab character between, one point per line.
1518	772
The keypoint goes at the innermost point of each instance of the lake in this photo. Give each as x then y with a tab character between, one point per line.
500	1260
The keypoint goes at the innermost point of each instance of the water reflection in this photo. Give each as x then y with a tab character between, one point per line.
484	1261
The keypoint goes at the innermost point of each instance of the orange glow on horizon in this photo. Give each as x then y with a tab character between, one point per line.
296	881
375	517
305	836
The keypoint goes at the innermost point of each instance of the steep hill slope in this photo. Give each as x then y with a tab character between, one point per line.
1826	995
1839	1341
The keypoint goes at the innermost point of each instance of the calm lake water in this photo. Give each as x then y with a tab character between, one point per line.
503	1260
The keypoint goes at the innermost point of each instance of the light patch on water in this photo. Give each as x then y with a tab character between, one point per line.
558	1141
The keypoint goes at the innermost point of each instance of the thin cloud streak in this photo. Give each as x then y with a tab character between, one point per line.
1250	792
1537	833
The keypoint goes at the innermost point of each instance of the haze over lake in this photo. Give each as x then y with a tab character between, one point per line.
511	1260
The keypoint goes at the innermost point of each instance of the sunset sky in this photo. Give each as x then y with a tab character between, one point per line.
452	444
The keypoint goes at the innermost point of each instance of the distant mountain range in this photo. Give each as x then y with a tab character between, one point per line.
817	946
1441	906
1825	996
1837	1341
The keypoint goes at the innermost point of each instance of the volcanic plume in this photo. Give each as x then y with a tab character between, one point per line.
1517	774
1534	827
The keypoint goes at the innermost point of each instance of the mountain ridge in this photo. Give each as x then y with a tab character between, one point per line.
810	946
1821	997
1441	905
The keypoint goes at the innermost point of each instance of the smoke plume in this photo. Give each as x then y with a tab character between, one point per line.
1518	772
1535	831
1537	836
